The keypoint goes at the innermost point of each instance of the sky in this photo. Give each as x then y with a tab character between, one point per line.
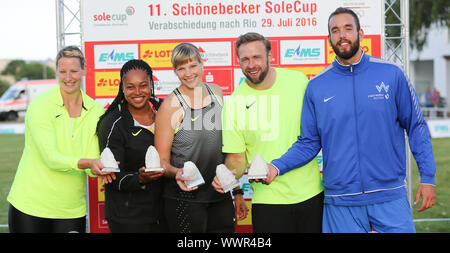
28	29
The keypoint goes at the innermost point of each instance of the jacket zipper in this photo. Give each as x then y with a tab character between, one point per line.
356	129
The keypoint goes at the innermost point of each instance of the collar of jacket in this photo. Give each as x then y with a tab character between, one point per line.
126	115
87	102
349	69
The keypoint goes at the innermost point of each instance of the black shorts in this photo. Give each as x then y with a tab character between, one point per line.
303	217
20	222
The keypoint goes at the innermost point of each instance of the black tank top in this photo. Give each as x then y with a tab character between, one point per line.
198	139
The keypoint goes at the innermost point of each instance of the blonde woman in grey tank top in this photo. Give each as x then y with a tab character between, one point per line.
188	128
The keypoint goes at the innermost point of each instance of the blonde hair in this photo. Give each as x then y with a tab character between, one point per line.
183	53
72	52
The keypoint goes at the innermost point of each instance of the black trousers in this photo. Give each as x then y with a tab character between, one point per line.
303	217
191	217
20	222
116	227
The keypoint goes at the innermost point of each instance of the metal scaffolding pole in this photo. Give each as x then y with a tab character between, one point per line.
396	49
68	23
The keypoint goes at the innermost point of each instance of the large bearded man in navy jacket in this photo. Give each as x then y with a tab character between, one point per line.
357	111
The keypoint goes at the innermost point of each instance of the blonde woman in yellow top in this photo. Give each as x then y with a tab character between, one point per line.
48	192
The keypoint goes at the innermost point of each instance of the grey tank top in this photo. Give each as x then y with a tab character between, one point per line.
198	139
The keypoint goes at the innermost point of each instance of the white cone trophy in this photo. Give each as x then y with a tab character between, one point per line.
226	178
258	168
191	171
108	161
152	160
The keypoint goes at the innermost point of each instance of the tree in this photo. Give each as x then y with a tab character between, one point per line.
35	71
422	14
4	85
13	67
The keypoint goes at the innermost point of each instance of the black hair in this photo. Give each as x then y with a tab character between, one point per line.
120	98
341	10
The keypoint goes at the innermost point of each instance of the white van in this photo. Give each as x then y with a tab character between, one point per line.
15	100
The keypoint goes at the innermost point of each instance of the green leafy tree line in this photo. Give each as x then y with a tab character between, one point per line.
424	13
22	70
34	70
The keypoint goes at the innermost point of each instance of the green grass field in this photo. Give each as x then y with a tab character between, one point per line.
441	210
12	146
10	153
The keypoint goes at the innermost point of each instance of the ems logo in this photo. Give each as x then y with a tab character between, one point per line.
114	56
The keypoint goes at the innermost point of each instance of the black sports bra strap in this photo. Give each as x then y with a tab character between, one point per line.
186	106
183	102
211	93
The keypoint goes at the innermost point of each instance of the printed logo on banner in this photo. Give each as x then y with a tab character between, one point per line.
439	128
302	52
114	56
221	77
106	83
366	45
108	18
102	222
215	53
165	82
157	55
101	191
238	77
309	72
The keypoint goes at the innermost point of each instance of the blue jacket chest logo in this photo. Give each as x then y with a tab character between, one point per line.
382	86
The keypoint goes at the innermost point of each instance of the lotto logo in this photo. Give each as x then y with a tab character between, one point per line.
157	55
109	82
106	83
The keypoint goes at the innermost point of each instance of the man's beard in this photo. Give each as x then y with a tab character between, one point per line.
261	77
348	54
